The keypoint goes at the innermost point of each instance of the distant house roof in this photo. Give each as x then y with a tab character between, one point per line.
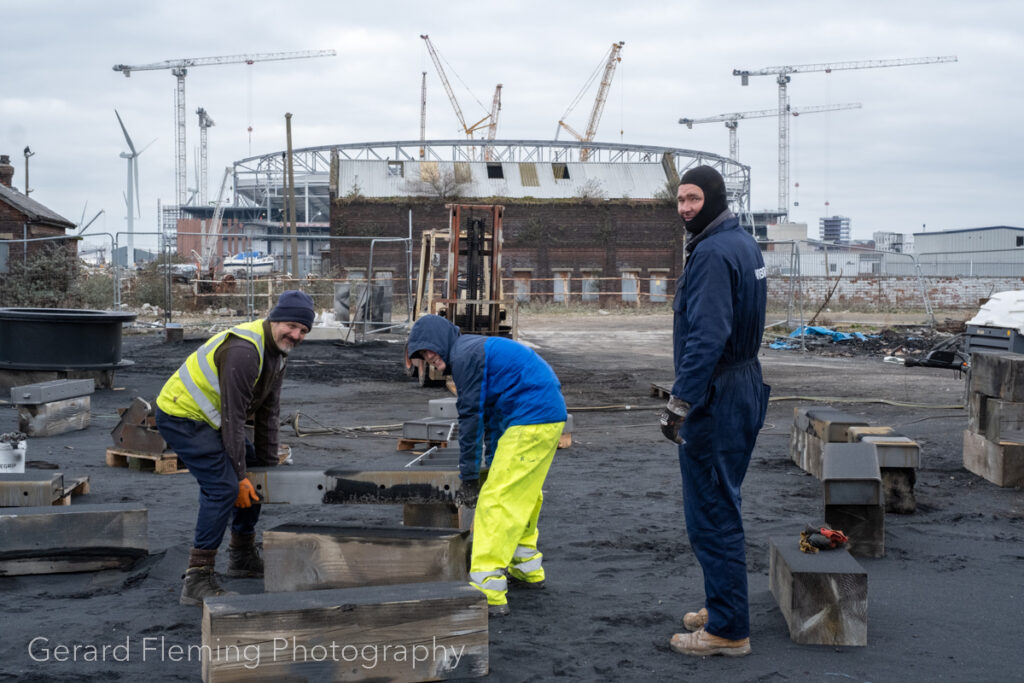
33	210
950	232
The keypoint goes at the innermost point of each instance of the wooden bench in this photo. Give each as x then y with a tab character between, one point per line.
404	632
823	596
853	496
302	557
815	426
53	540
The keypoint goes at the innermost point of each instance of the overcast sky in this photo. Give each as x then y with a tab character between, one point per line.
937	145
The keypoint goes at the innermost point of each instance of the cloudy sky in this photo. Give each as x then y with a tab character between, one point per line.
937	145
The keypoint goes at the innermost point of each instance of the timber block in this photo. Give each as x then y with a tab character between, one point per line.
54	390
431	429
404	632
857	432
406	485
999	374
815	426
301	557
32	489
55	417
444	408
853	496
995	419
1001	463
54	540
823	596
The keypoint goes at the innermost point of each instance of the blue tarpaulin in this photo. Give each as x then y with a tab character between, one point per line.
825	332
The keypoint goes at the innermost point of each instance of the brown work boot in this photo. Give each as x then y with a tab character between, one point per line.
200	581
703	644
243	557
696	620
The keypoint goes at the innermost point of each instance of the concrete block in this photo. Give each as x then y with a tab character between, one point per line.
1001	463
414	632
823	596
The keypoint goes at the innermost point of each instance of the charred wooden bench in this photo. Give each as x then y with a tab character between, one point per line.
853	496
53	540
403	632
815	426
302	557
823	596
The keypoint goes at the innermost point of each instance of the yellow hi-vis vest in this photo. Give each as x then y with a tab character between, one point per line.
193	391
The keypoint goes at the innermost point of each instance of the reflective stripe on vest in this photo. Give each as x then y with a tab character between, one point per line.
208	372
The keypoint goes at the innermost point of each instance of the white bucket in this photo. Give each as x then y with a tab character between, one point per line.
12	460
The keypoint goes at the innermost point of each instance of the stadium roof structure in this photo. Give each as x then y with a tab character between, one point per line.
478	169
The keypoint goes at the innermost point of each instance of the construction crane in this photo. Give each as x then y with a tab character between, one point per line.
423	116
468	130
179	69
732	120
210	238
610	61
782	74
204	122
492	127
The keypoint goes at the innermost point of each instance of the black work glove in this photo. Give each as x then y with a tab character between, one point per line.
468	493
672	418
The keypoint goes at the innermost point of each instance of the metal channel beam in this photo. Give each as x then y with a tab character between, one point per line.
412	485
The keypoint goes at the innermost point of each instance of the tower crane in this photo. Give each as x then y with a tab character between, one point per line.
204	122
732	120
610	61
468	130
423	115
492	127
782	78
179	69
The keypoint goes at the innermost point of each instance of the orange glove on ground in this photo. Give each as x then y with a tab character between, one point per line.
246	494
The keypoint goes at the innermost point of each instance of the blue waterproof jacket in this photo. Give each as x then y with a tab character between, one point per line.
500	383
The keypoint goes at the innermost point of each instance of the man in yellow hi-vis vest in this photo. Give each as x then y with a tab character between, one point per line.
201	413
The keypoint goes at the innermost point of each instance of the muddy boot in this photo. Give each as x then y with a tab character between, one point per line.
244	558
200	581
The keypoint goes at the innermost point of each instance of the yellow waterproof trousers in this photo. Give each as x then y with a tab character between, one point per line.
505	523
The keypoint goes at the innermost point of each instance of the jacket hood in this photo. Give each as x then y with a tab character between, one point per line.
433	333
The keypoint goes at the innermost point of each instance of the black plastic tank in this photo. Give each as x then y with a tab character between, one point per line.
61	339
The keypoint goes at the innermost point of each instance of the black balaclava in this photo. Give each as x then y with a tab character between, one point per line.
710	181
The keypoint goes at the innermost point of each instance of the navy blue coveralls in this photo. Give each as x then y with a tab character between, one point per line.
717	327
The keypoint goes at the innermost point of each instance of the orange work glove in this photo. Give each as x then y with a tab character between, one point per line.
246	494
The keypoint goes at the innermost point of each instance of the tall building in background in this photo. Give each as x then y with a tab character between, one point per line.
835	229
890	241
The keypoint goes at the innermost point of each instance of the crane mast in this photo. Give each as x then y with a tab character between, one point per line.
782	79
731	121
611	61
423	114
179	69
204	122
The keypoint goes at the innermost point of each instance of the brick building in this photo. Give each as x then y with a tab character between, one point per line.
23	218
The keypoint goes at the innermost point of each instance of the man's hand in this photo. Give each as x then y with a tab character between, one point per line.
246	494
672	418
468	493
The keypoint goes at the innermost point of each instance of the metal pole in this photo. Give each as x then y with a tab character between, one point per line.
291	198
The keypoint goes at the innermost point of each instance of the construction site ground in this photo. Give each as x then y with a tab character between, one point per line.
944	604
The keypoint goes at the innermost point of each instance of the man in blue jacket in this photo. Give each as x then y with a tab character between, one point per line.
510	401
718	404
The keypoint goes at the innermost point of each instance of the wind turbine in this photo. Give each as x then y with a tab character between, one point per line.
132	189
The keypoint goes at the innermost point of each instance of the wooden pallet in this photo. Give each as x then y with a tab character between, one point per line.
164	463
414	444
77	487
